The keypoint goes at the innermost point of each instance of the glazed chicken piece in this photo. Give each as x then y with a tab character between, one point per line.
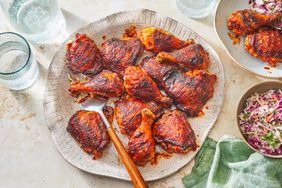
159	72
157	40
193	57
141	145
128	113
138	84
88	129
265	45
190	91
102	86
244	22
174	133
119	54
83	56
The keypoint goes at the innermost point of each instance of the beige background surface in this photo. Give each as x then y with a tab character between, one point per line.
28	157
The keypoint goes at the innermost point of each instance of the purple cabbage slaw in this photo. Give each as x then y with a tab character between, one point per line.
261	122
267	7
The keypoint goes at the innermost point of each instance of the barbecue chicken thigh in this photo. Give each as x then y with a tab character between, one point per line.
190	91
119	54
174	133
193	57
244	22
141	145
157	40
265	45
83	56
138	84
128	113
88	129
102	86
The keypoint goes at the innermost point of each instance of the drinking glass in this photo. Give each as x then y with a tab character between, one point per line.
18	69
196	8
37	20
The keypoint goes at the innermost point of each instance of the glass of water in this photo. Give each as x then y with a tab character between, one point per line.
18	69
37	20
196	8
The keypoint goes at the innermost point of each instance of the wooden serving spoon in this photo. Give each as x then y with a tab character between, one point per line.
136	177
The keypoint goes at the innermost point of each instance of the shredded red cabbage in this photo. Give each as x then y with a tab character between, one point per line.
261	122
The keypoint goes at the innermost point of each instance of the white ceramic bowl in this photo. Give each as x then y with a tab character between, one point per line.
238	52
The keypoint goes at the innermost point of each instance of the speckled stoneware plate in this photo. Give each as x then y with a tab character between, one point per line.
238	52
59	106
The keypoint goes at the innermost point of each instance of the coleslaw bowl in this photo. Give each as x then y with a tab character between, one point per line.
258	88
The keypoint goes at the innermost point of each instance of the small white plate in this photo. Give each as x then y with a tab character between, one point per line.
238	52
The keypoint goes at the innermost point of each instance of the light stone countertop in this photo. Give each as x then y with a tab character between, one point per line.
28	157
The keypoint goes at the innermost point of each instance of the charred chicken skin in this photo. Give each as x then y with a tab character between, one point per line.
141	145
174	133
88	129
128	113
159	72
190	91
102	86
265	45
157	40
138	84
193	57
119	54
244	22
83	56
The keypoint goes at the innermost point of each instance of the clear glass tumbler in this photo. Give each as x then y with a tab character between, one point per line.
37	20
18	69
196	8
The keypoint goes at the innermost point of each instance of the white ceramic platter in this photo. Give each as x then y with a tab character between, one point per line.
59	106
237	52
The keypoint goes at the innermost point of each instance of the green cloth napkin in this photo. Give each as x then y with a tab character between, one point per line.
231	163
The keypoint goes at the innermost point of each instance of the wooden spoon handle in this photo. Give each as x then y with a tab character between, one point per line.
132	170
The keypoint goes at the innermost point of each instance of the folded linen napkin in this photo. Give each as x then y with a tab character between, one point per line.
231	163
